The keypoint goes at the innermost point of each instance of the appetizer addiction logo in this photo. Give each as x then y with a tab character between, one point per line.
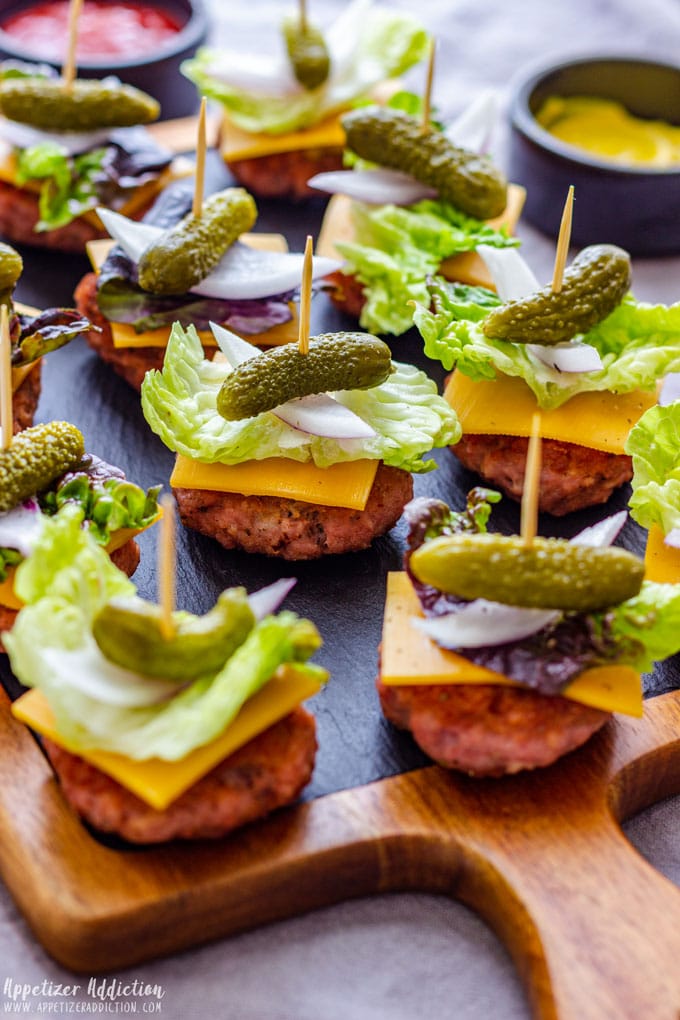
97	995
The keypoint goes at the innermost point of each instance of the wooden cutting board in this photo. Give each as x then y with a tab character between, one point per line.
593	928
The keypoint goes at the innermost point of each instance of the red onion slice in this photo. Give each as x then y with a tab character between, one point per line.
375	187
482	623
267	600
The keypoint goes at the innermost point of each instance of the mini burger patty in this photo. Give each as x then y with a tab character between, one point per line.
291	528
572	476
266	773
489	730
25	399
346	293
285	174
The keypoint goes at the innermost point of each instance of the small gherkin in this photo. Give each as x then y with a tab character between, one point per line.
394	139
87	105
335	361
551	573
307	52
592	287
186	253
35	458
11	267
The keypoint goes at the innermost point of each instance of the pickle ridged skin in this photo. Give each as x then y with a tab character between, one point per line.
185	254
335	361
44	103
11	266
129	634
592	287
394	139
307	52
36	457
550	573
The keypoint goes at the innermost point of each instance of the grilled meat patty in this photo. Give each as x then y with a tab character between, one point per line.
25	398
285	174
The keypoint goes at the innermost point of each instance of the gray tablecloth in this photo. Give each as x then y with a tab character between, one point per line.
407	955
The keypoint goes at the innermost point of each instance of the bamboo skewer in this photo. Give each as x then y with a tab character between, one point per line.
197	207
68	72
532	482
6	420
563	242
306	297
427	97
167	569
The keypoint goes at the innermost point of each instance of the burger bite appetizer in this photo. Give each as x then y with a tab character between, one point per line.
270	462
418	202
589	356
67	148
281	123
501	655
45	468
654	445
192	269
156	735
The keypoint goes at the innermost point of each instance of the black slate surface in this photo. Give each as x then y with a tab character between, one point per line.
344	595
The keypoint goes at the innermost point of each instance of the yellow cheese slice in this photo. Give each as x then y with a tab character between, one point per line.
662	562
505	405
466	268
409	657
347	484
19	374
8	598
125	336
160	782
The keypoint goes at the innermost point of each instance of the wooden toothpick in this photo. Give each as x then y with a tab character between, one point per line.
69	69
303	16
167	566
6	420
563	242
427	97
306	297
197	207
532	482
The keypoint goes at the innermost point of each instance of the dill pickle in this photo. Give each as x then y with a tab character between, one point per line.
395	139
335	361
35	457
187	252
551	573
87	105
11	266
128	632
307	52
592	287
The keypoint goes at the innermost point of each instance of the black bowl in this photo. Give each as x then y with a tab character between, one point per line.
156	73
637	208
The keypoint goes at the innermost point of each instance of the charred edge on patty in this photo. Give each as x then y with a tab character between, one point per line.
266	773
346	293
293	529
285	174
489	730
572	476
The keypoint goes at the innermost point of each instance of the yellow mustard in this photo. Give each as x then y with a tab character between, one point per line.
606	129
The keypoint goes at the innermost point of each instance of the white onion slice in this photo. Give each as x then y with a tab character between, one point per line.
375	187
670	389
267	600
482	623
341	38
603	533
673	538
20	527
243	273
23	136
513	278
266	75
90	672
568	356
473	128
317	415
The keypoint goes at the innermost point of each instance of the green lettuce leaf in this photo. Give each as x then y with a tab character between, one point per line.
397	248
389	44
654	445
69	186
106	506
179	403
65	583
638	343
648	625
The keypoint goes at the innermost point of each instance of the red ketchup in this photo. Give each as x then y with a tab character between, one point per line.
121	28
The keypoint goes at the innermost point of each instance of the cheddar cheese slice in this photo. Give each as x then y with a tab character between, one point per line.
466	268
237	144
126	336
159	783
345	485
662	562
505	406
409	657
19	373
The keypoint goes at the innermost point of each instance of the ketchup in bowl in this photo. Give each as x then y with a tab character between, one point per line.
106	28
